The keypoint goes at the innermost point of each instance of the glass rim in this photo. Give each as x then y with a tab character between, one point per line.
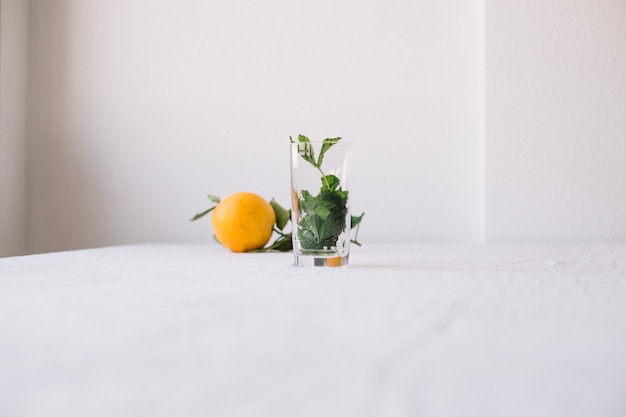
321	142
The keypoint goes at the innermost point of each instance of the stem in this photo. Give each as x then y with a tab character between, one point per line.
356	235
324	180
279	232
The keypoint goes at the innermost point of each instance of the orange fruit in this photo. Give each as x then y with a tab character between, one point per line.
243	222
333	261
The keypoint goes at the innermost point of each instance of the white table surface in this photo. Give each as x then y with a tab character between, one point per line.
412	330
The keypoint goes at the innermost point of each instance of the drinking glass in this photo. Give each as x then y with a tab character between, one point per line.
320	206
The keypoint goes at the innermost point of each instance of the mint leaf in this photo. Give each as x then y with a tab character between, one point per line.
323	210
306	203
338	198
308	232
326	145
302	138
356	220
330	183
322	218
332	227
306	151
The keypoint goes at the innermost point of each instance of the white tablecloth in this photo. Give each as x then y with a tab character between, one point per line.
405	330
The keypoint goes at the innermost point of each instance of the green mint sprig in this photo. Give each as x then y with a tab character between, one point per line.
323	217
306	151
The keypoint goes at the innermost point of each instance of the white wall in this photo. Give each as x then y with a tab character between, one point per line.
471	121
140	108
13	42
556	120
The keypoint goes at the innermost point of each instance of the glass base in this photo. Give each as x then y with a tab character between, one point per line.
328	261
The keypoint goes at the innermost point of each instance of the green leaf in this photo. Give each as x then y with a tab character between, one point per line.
308	232
337	198
306	151
282	214
282	244
327	202
214	199
330	183
323	210
331	229
323	218
306	202
326	145
200	215
355	220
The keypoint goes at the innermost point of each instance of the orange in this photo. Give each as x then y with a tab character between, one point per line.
333	261
243	222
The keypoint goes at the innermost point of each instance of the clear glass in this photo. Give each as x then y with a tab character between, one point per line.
320	204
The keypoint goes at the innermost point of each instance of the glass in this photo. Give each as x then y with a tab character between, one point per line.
320	203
